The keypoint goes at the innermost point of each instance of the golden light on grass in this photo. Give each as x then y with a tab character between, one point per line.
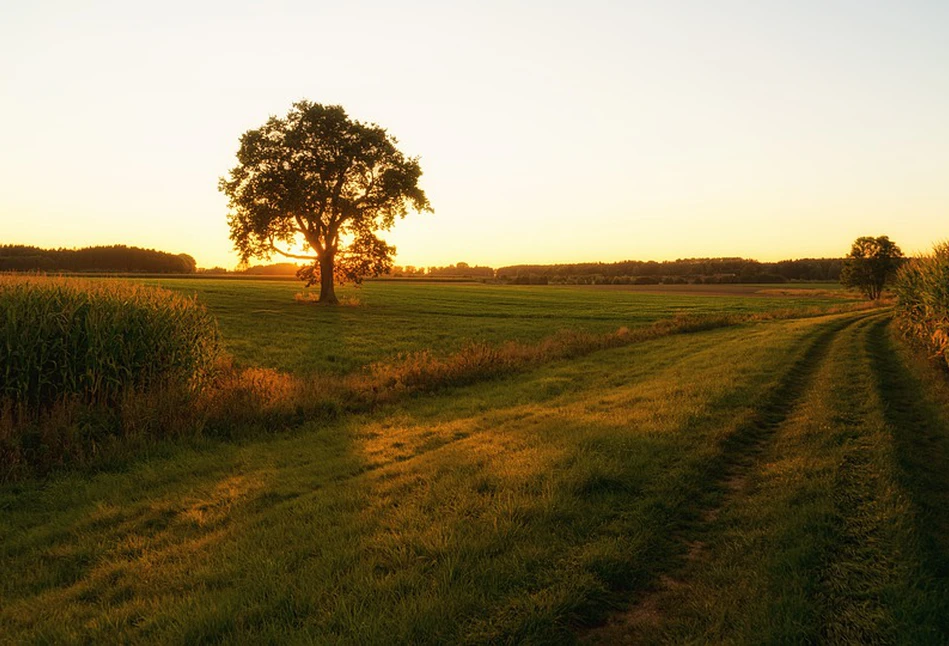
216	507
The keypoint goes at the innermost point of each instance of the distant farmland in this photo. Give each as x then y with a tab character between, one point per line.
732	466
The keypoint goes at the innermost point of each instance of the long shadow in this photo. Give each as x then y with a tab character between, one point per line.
921	439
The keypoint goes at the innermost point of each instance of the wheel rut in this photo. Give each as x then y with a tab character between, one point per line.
739	453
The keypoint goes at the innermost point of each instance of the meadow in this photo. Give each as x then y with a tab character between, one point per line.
263	325
778	476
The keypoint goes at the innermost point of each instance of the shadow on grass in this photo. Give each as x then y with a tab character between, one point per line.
921	438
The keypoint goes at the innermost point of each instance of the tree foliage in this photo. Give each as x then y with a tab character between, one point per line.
318	176
871	262
115	258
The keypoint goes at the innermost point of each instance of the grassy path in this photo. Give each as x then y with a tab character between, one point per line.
762	483
832	529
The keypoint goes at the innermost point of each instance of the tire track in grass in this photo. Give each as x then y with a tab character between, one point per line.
876	584
865	557
739	453
707	430
823	544
742	448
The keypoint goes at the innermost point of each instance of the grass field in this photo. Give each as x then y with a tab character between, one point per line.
264	326
773	482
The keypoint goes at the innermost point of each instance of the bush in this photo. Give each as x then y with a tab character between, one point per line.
98	340
922	290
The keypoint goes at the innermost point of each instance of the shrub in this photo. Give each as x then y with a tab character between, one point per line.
98	340
922	290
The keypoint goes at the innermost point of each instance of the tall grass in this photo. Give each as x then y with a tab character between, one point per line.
922	289
98	340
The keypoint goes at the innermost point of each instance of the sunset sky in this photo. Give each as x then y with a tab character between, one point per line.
547	131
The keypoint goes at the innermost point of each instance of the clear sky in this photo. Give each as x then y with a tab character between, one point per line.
548	131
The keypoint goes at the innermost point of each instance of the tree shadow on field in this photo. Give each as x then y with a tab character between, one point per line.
921	438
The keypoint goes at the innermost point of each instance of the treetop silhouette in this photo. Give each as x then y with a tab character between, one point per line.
870	263
318	175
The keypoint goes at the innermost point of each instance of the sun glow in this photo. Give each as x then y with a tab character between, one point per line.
300	247
572	133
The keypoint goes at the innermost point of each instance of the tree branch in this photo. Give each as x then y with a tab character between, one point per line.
336	215
313	237
369	186
273	247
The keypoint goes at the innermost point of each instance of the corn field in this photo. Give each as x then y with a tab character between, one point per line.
98	339
922	289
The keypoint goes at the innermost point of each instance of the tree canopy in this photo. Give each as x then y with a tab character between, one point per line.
318	177
870	263
114	258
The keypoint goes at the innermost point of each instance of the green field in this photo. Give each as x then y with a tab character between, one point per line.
777	481
264	326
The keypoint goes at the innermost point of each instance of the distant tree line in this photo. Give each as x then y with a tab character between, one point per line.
682	271
639	272
274	269
459	270
120	258
114	258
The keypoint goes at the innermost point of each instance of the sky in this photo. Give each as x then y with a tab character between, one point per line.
547	131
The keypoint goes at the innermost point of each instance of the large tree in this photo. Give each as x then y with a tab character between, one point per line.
871	262
318	177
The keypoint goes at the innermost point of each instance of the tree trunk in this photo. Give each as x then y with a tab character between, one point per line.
327	290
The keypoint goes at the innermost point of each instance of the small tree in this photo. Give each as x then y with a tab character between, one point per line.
319	176
871	262
189	264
